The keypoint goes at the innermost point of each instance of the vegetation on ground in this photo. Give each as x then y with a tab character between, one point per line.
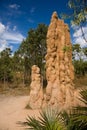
51	119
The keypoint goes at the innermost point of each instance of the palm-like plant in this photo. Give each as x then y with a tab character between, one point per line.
79	117
48	120
53	120
67	118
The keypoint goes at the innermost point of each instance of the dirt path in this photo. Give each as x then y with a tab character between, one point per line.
12	110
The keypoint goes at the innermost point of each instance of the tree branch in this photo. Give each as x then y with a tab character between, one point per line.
83	35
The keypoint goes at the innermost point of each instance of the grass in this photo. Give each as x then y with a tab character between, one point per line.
9	89
80	81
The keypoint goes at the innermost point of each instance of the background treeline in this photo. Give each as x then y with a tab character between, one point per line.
16	68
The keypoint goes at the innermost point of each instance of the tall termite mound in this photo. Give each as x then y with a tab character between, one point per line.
59	68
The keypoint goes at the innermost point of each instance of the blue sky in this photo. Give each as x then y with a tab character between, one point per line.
18	16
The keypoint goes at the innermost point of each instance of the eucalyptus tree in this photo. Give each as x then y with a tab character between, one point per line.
79	59
37	45
6	74
33	49
78	14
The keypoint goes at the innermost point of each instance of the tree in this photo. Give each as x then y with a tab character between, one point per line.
79	59
78	14
33	49
17	67
85	51
6	66
37	45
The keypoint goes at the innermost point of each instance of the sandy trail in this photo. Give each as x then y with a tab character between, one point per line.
12	110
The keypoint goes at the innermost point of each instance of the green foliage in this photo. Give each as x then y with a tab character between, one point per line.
48	120
79	59
66	49
85	51
33	49
80	67
67	118
80	112
51	119
76	47
34	46
78	15
79	11
6	73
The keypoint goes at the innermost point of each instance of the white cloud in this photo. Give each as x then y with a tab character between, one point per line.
15	37
2	28
14	28
9	36
14	6
77	36
3	45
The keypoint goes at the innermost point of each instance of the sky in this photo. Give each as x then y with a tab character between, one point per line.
18	16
